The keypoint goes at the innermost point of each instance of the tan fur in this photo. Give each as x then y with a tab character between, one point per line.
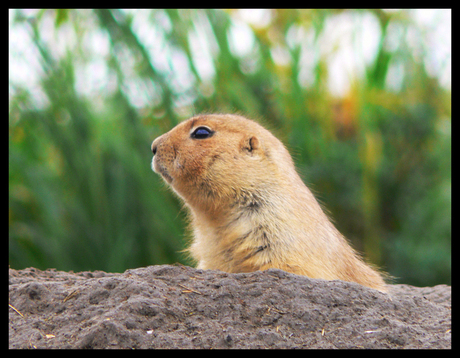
249	208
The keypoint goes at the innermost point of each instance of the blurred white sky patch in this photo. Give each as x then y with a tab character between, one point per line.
438	40
256	17
24	70
241	38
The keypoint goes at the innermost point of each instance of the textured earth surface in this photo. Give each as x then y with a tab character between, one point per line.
182	307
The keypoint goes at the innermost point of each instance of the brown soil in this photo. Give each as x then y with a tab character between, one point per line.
182	307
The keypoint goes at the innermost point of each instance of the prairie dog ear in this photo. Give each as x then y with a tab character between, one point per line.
251	144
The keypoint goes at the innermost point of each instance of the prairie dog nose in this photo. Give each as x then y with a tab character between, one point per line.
156	142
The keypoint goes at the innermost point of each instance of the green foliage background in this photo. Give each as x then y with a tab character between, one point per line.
82	195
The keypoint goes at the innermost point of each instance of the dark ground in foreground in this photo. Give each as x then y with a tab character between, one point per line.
182	307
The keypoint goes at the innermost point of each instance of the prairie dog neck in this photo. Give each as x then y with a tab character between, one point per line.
248	235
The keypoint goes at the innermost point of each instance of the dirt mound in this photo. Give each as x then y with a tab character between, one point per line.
182	307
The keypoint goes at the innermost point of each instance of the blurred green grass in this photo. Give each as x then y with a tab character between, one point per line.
82	195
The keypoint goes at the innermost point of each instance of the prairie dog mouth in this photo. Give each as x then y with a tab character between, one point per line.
158	168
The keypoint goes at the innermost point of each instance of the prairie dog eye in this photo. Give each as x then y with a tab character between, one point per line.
202	133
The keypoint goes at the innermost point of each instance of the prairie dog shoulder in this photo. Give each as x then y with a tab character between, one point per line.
249	208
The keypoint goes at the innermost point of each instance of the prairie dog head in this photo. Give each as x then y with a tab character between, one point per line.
212	159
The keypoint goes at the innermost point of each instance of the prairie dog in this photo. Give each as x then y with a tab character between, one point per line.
249	208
